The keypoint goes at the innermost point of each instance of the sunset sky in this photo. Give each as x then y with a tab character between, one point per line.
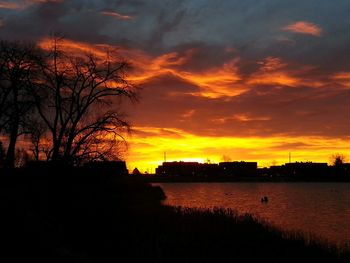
220	80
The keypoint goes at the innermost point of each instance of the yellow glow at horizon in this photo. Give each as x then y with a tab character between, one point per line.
147	152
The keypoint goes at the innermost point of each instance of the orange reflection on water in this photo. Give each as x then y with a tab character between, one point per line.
317	209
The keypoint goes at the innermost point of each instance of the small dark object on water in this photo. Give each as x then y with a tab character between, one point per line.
264	199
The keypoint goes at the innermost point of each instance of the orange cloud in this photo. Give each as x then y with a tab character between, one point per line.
75	47
272	71
25	4
116	15
271	63
342	75
241	118
275	78
342	78
188	114
275	71
213	82
46	1
9	5
302	27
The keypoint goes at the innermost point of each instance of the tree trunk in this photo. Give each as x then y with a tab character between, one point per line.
55	151
11	150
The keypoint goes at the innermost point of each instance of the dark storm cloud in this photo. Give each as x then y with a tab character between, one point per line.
79	21
253	27
202	56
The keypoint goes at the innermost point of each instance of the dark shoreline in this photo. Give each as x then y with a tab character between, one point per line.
65	216
199	179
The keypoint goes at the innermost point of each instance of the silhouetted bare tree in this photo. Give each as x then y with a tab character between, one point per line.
37	132
18	67
76	97
338	159
4	93
226	158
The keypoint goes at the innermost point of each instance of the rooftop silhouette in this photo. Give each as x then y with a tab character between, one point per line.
242	169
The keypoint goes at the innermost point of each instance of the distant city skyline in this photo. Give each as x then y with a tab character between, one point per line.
200	162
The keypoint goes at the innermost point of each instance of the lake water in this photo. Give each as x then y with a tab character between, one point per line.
321	209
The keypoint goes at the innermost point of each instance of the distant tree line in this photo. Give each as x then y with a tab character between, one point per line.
65	105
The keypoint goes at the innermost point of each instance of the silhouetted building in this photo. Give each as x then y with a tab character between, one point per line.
179	168
238	168
207	169
136	172
340	170
307	169
276	171
298	170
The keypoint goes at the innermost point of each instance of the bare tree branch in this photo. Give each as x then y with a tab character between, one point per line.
75	99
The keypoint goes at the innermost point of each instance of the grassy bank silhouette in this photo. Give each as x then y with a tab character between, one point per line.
81	216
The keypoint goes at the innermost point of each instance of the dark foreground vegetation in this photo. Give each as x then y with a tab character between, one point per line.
81	216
